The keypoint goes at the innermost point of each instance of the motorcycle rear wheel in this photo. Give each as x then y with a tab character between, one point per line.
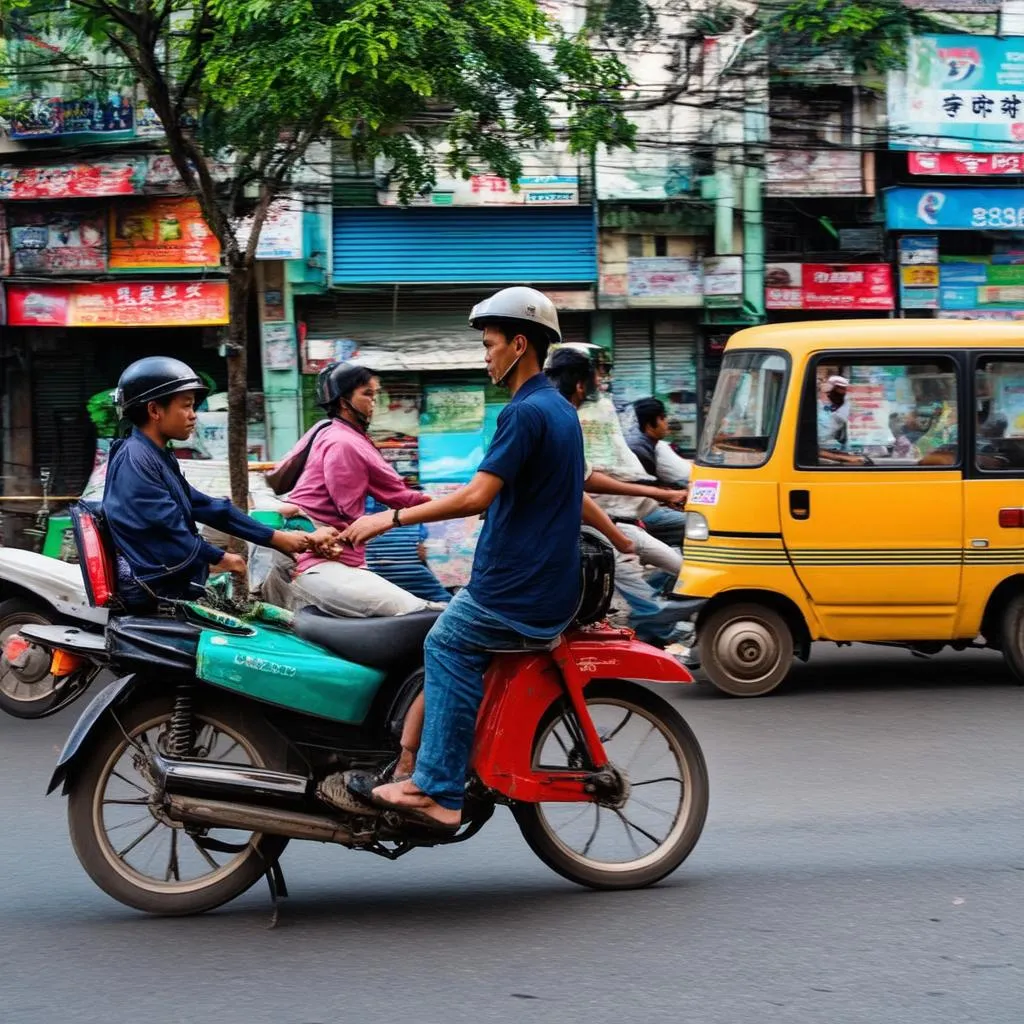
679	775
19	699
96	843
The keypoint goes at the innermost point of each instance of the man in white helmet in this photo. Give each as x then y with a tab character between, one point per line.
526	572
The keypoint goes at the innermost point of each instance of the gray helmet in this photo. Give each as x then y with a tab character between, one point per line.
524	304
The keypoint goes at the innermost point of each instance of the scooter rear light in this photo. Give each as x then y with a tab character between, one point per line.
15	645
1011	518
64	663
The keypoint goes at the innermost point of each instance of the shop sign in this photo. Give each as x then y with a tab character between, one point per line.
815	172
571	302
113	304
845	287
959	209
492	190
919	271
161	234
956	6
960	164
959	92
968	283
648	175
58	241
664	281
723	281
281	235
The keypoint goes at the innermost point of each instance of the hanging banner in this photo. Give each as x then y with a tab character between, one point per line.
135	304
57	241
959	92
845	287
954	209
161	234
961	164
53	117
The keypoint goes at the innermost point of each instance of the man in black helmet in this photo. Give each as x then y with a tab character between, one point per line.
152	510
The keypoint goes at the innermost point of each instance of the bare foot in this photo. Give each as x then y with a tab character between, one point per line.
408	796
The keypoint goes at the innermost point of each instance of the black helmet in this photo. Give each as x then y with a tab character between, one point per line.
567	365
156	377
339	380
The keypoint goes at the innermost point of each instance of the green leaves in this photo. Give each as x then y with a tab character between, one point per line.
871	34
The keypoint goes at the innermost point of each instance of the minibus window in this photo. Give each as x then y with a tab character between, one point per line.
744	416
999	407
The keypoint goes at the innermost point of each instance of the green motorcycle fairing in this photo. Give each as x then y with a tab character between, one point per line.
264	662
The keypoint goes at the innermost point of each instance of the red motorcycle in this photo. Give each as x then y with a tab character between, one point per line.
187	777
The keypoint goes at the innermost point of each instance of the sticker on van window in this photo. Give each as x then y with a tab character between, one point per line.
704	492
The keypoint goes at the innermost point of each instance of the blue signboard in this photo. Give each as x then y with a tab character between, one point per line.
961	93
954	209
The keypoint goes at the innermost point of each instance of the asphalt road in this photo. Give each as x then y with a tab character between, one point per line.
863	861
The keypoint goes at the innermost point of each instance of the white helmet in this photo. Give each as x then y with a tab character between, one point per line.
525	304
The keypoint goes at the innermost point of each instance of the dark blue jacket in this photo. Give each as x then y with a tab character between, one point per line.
152	511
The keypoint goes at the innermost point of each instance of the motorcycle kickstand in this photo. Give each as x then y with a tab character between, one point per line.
278	890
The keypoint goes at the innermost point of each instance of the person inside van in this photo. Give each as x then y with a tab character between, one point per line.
834	424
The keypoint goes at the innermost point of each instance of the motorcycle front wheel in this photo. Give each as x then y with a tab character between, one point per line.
129	848
656	823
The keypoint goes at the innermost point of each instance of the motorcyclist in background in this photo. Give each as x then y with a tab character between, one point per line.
150	508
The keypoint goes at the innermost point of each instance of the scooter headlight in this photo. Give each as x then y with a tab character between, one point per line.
696	526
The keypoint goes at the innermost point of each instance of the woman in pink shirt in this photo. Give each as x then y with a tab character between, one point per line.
343	468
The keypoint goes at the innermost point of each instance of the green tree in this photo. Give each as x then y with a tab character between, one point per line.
261	80
870	34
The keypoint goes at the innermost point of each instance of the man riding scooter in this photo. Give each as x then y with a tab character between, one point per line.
150	508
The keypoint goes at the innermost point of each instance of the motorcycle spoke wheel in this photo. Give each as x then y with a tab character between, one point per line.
651	826
141	843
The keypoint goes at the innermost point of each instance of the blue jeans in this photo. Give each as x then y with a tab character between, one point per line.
667	524
457	652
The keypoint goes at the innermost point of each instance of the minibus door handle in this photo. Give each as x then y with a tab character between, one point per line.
800	504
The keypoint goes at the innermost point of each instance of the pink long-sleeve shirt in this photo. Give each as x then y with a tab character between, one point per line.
342	469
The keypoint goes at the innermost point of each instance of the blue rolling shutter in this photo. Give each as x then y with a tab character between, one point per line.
516	245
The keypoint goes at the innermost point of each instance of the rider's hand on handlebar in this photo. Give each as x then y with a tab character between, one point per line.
291	542
676	498
230	563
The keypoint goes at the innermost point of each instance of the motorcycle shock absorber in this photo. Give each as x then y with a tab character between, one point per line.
180	737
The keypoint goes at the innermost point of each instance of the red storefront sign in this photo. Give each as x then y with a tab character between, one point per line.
843	287
965	163
116	304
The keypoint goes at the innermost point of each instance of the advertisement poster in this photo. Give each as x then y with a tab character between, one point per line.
450	545
665	281
723	280
319	353
52	117
844	287
281	234
453	409
450	458
919	271
279	349
868	423
195	303
122	177
1011	404
57	241
959	92
802	172
161	234
980	282
492	190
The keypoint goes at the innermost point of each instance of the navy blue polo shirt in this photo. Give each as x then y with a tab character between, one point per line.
526	569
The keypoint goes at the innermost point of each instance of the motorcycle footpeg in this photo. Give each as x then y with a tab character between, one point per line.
339	791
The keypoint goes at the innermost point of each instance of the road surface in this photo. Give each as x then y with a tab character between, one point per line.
863	861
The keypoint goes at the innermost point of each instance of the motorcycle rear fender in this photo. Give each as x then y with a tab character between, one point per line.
519	689
88	720
52	581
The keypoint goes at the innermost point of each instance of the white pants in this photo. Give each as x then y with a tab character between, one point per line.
342	590
653	552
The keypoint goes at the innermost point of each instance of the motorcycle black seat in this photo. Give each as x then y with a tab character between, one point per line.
383	643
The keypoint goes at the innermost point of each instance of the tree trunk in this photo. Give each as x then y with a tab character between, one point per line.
239	283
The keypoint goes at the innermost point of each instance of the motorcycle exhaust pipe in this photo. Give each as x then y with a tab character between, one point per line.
228	782
268	820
